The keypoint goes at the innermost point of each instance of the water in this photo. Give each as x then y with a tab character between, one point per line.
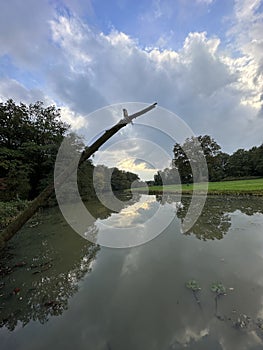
76	295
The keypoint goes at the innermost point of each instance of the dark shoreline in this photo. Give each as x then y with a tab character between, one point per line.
209	193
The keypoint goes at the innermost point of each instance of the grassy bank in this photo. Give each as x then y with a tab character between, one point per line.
9	211
237	187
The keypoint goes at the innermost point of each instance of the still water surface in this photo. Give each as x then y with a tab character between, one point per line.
60	292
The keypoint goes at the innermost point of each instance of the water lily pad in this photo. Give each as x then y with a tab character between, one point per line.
218	288
193	285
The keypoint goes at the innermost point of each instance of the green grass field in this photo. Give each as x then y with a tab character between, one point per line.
254	186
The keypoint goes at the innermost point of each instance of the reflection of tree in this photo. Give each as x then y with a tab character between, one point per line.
213	223
40	275
215	220
39	278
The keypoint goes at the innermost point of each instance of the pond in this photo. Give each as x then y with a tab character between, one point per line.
58	291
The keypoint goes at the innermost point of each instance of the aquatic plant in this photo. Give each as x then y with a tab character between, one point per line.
218	288
193	285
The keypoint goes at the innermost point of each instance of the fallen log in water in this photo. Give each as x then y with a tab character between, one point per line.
41	199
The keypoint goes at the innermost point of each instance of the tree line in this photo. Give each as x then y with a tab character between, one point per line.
30	136
220	165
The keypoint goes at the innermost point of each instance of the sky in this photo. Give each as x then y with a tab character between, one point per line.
200	59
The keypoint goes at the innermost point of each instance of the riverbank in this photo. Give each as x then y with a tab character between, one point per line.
10	210
236	187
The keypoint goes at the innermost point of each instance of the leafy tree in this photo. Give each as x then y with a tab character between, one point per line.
242	163
188	156
213	156
245	163
121	179
181	162
85	180
102	178
167	177
217	168
256	155
106	179
158	179
29	140
239	164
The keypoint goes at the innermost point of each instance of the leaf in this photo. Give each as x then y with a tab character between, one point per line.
218	288
193	285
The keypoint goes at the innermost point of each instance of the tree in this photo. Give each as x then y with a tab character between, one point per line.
181	162
158	179
166	177
217	169
29	139
213	156
85	180
114	179
246	163
239	164
188	156
256	155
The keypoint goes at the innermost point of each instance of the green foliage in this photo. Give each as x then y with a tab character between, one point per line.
193	285
29	139
218	288
187	156
106	179
246	162
9	210
167	177
242	163
158	179
121	179
85	180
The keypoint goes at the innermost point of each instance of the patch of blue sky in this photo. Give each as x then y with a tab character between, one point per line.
213	18
259	10
166	25
119	15
9	70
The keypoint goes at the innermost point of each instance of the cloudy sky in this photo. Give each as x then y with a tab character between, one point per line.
200	59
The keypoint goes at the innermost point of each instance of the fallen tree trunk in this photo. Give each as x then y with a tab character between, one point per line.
40	200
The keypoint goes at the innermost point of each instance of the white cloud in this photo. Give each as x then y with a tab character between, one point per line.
246	33
213	91
141	168
25	31
76	121
12	89
141	156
